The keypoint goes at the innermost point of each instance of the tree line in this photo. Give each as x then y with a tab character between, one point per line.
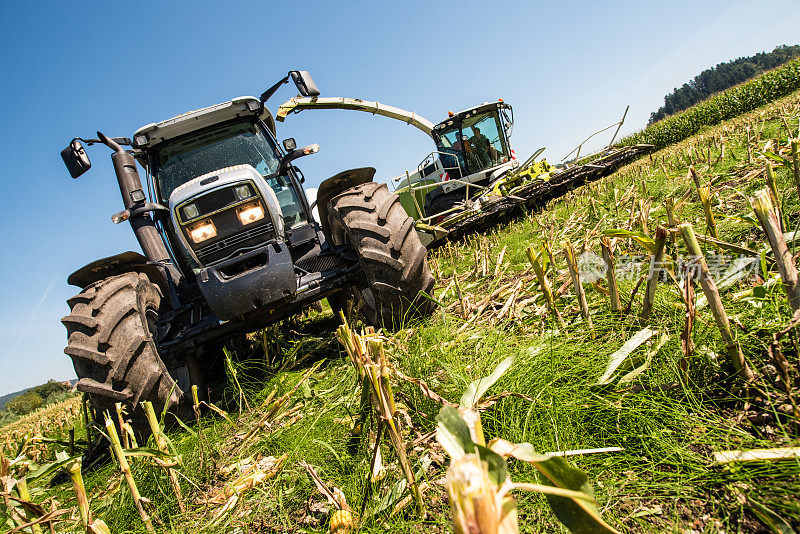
36	397
721	77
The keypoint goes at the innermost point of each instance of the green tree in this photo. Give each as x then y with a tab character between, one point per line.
49	388
25	403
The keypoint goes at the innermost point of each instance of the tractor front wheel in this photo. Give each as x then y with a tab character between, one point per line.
110	340
371	219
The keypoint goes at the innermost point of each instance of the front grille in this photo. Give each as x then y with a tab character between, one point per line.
232	245
216	199
316	264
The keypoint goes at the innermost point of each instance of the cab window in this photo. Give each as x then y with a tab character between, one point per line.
223	146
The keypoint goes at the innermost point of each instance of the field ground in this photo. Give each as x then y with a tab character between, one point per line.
669	418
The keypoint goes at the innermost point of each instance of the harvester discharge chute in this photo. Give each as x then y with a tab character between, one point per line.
473	178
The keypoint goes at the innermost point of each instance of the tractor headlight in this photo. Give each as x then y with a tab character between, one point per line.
190	212
202	231
243	192
250	213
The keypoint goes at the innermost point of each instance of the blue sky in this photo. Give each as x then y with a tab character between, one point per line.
69	69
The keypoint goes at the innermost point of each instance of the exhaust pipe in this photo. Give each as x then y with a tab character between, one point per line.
130	185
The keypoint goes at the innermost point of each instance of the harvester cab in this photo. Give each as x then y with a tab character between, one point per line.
472	151
229	246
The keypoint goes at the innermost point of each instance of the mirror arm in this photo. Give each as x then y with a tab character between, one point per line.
148	207
158	210
118	140
288	159
271	91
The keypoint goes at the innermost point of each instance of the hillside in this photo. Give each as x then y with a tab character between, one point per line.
8	396
721	77
658	416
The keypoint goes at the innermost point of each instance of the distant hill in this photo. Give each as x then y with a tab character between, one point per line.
722	77
8	396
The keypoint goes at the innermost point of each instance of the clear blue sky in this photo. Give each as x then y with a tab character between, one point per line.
69	69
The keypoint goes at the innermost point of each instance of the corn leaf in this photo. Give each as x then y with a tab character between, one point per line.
616	359
453	434
579	512
452	423
639	237
775	522
479	387
578	515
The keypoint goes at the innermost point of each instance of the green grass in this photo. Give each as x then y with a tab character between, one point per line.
663	481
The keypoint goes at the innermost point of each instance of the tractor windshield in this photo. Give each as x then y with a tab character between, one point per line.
230	144
477	142
224	146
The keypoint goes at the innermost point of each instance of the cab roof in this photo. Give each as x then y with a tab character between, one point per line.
455	118
201	118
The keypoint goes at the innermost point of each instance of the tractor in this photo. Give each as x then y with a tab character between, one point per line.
229	246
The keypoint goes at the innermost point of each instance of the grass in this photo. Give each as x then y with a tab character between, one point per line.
663	481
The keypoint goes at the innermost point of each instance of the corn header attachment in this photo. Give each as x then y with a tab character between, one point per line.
529	187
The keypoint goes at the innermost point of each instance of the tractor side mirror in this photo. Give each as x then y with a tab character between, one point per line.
305	84
289	144
76	159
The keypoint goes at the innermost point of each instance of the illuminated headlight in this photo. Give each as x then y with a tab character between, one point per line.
202	231
190	212
243	192
250	213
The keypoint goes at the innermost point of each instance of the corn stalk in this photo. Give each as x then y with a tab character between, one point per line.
783	258
116	447
715	303
161	443
544	284
656	261
572	264
367	354
611	276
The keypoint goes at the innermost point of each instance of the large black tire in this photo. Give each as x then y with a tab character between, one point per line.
371	219
110	341
443	203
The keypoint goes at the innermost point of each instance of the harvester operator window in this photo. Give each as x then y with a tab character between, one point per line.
477	141
486	147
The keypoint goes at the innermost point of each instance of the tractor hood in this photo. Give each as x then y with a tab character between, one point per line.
155	133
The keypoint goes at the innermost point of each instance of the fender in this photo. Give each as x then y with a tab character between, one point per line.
338	184
125	262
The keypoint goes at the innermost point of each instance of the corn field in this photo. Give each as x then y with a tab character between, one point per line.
625	360
728	104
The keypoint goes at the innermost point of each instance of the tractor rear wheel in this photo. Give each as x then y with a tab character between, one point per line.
110	340
371	219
